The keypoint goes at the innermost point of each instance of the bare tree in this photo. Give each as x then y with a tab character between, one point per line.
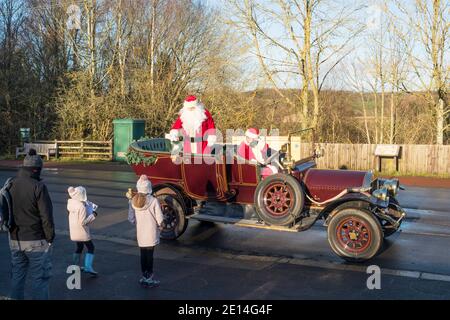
305	52
429	55
356	81
12	75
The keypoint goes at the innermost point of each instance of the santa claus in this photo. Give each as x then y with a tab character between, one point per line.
196	125
255	149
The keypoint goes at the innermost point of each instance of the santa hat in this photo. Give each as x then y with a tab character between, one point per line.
144	185
252	133
190	101
78	193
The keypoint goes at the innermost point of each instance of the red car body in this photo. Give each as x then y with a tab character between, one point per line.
216	181
359	210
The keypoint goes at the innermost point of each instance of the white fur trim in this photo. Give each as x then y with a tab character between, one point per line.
250	134
190	104
194	148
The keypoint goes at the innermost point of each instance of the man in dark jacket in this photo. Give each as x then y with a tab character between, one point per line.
33	232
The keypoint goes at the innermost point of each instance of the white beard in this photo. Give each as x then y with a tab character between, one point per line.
192	120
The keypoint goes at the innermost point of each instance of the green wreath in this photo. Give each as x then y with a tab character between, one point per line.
137	158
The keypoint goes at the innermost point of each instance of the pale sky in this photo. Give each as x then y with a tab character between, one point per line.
361	48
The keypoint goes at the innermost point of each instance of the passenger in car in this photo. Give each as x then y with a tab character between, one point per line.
255	149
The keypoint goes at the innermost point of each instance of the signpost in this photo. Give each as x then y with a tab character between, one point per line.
387	151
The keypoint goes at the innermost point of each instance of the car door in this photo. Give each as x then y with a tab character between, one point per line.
204	178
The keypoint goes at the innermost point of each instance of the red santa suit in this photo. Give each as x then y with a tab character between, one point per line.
257	153
196	125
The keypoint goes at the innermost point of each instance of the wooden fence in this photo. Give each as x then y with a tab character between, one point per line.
414	159
82	149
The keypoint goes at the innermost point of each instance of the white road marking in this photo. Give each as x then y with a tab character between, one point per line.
437	277
277	260
426	212
428	234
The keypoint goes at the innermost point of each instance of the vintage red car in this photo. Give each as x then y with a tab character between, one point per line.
358	210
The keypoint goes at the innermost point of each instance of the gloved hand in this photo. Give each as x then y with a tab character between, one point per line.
129	194
172	136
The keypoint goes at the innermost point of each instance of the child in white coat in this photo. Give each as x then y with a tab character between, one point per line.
145	212
81	213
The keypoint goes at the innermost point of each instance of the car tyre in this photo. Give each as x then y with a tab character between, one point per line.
355	234
279	199
174	212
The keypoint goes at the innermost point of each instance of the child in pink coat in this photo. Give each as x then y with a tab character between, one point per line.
145	212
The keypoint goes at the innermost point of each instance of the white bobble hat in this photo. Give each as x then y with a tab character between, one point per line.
78	193
144	185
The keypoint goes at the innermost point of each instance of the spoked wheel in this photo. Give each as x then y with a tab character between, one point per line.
355	234
174	212
279	199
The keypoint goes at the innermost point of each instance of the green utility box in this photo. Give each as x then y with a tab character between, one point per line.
24	135
125	132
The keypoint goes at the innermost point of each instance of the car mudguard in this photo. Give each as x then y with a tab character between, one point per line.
355	200
176	190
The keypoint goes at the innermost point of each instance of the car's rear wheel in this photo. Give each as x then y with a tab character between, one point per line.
174	212
355	234
279	199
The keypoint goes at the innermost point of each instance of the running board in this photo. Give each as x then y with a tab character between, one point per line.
242	222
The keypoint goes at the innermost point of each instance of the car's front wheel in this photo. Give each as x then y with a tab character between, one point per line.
174	212
355	234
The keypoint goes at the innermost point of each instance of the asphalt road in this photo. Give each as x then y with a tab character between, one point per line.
227	262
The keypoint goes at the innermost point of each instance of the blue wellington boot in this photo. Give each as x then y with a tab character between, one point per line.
88	260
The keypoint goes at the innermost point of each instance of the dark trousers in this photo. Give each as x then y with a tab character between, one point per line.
89	245
147	260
